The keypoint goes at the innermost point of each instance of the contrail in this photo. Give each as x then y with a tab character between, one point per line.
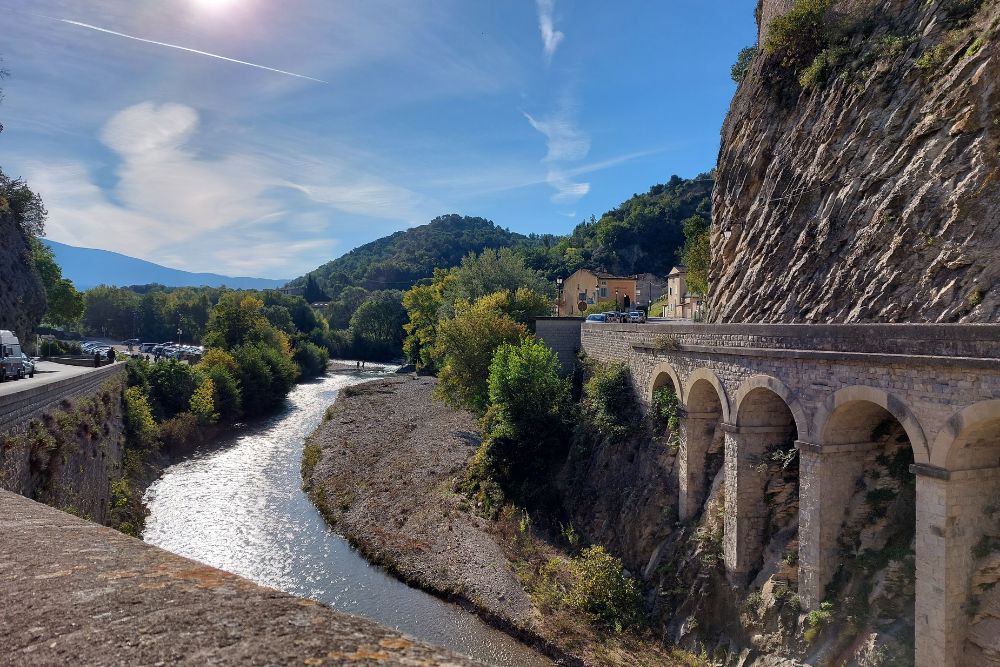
184	48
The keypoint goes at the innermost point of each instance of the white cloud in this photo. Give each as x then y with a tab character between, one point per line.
565	143
235	214
567	191
551	38
564	140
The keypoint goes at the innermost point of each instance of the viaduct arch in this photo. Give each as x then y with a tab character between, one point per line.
842	395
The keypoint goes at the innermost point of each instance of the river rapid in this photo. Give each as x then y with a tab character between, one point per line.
237	504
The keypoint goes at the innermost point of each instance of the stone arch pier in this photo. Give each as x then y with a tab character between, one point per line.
920	403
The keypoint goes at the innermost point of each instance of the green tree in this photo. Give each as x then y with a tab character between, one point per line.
240	318
65	304
171	385
311	359
465	344
527	396
423	305
742	64
493	271
203	402
340	309
27	206
141	431
696	254
313	292
799	35
377	326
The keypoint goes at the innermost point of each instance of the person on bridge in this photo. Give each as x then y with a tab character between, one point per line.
111	355
97	359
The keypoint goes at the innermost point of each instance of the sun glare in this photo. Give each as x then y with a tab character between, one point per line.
215	5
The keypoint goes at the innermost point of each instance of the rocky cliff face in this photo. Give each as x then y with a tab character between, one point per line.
22	295
872	195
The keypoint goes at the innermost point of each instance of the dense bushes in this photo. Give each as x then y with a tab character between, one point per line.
799	35
311	359
593	584
607	407
172	384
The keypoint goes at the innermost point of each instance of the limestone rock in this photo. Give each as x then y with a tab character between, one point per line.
872	197
22	295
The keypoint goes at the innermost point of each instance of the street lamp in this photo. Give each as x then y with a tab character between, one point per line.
616	300
559	283
179	332
597	294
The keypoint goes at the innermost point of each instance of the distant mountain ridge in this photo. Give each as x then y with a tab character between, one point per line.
90	267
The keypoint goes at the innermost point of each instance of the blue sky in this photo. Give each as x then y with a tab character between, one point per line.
348	120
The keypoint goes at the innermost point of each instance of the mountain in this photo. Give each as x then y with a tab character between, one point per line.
89	267
401	259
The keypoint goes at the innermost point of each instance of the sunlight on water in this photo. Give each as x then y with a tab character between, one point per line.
238	505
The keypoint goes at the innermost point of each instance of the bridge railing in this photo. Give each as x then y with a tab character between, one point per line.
978	341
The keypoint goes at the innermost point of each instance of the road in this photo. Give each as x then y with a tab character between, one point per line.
45	372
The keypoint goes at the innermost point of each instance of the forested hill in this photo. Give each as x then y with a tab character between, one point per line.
399	260
642	235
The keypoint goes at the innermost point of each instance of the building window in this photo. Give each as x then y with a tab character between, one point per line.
604	292
670	291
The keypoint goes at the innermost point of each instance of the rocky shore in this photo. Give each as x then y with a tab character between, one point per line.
382	468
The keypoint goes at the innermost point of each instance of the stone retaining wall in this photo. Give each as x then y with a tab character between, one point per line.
18	408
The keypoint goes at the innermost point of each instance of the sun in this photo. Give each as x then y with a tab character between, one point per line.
215	5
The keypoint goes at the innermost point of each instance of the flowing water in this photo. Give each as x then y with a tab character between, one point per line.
238	505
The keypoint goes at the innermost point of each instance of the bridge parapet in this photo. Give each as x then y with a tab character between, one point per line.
978	341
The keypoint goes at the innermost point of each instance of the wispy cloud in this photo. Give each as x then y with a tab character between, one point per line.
564	140
565	143
551	38
236	213
188	50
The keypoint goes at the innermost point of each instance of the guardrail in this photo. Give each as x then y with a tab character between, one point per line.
18	407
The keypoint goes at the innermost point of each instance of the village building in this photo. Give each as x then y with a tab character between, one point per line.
681	304
585	288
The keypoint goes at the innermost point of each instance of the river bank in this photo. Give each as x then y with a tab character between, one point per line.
383	468
236	504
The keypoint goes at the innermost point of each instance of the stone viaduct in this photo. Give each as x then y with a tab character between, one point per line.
829	389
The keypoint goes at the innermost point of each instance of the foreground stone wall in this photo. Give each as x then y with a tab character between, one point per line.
562	334
840	386
76	593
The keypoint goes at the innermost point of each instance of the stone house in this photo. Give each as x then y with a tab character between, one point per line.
585	288
681	304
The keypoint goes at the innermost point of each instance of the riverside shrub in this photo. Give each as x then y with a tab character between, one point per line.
141	430
527	396
203	402
607	405
601	588
171	386
311	359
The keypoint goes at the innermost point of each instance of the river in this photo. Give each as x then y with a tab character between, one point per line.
237	505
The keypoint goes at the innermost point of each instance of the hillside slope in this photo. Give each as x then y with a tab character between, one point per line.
89	267
399	260
872	195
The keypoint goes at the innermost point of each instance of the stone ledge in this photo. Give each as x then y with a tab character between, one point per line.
881	358
73	592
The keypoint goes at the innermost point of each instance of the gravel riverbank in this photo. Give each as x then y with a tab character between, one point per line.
382	468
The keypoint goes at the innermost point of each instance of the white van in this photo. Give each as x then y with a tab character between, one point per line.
11	365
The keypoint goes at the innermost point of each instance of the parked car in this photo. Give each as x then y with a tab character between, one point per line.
637	316
611	316
28	364
10	356
597	317
146	348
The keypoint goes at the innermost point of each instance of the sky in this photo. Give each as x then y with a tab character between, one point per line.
266	137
